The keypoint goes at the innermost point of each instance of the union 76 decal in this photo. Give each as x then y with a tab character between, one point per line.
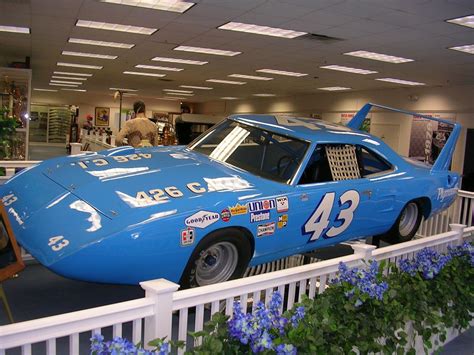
319	220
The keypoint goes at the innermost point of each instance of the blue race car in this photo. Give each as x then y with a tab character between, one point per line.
252	189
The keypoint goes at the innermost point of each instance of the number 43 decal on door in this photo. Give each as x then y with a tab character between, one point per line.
319	220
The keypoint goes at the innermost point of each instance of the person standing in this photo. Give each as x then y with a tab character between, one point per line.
139	131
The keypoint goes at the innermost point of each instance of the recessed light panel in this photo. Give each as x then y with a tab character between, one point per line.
380	57
349	69
13	29
261	30
179	94
75	65
123	89
89	55
251	77
116	27
164	5
280	72
264	95
334	88
101	43
196	87
177	60
49	90
171	98
65	82
400	81
206	51
229	98
78	90
156	67
467	21
183	91
226	82
469	48
144	74
69	73
68	85
67	78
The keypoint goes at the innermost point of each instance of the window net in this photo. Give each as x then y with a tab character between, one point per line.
343	162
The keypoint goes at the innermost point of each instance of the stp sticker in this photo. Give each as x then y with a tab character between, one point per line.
225	215
259	216
187	236
261	205
238	209
282	204
282	221
265	229
202	219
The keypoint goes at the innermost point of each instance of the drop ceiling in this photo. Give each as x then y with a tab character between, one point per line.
414	29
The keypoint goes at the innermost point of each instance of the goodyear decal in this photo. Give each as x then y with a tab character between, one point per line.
202	219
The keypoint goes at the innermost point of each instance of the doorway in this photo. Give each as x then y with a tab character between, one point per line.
468	169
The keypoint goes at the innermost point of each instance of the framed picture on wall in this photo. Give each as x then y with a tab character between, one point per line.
102	116
10	256
160	117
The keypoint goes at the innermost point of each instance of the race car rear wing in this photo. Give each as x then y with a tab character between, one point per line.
444	158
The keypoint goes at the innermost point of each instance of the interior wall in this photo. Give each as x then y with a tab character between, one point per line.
394	128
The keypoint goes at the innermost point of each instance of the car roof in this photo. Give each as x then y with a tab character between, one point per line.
309	129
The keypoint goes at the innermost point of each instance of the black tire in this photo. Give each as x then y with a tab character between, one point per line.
221	256
406	225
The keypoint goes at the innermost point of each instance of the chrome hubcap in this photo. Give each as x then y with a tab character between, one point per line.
408	219
216	263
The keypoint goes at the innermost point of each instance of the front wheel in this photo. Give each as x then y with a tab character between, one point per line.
406	225
223	255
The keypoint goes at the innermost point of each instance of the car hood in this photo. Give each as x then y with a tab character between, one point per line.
122	181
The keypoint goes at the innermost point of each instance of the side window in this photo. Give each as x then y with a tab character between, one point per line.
332	162
371	163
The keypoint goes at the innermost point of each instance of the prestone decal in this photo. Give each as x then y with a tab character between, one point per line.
282	221
225	215
265	229
238	209
259	216
187	236
282	204
261	205
202	219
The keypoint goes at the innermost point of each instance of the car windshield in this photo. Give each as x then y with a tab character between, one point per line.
253	149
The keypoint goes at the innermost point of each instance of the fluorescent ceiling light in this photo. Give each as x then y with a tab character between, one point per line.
68	85
264	95
144	74
183	91
123	89
38	89
280	72
469	48
142	66
400	81
467	21
14	29
251	77
65	82
171	98
196	87
378	56
229	98
101	43
89	55
226	82
69	73
334	88
349	69
67	77
126	94
78	90
116	27
75	65
206	51
177	60
164	5
179	94
261	30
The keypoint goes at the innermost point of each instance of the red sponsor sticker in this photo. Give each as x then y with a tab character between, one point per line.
225	215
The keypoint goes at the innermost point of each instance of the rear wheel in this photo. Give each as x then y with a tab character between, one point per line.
406	224
221	256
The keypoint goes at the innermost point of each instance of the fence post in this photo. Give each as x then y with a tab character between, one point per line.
459	229
364	251
159	324
76	148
